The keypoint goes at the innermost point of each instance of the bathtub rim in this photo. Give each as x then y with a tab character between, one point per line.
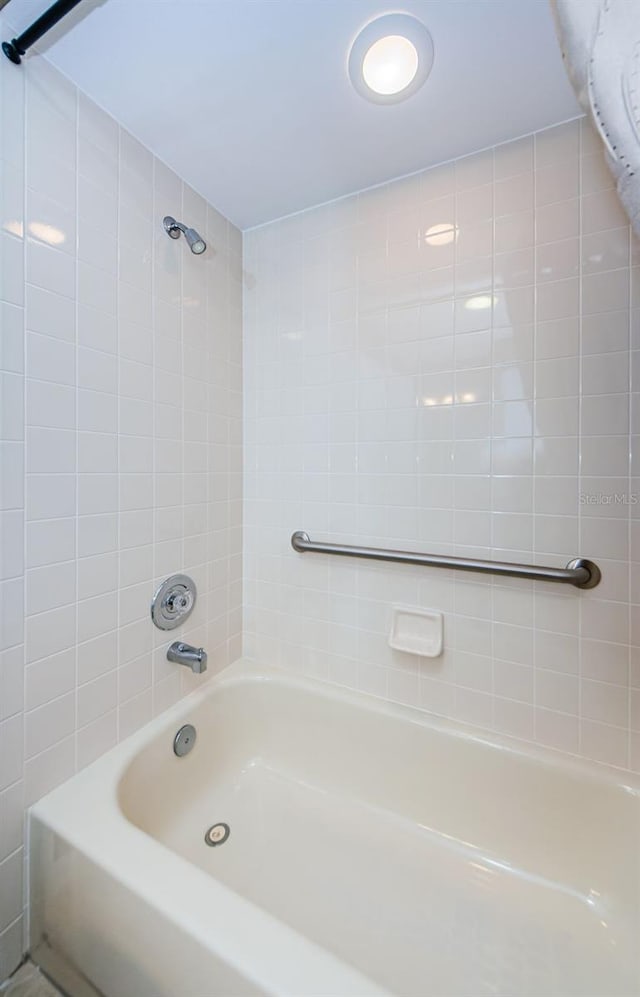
222	921
246	670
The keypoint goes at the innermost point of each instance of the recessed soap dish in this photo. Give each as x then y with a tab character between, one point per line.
416	631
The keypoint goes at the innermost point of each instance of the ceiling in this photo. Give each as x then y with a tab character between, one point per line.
250	101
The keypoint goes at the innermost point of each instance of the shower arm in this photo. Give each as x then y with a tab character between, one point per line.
16	48
170	228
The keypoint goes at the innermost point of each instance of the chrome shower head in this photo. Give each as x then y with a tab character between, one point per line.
197	245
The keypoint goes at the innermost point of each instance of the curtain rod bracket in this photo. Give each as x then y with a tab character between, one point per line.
16	48
12	52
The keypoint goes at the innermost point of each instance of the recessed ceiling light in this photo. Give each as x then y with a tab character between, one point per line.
391	58
390	64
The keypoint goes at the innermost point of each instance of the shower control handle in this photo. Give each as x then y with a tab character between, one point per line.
173	602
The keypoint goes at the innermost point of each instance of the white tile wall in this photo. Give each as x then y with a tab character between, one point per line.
120	399
450	363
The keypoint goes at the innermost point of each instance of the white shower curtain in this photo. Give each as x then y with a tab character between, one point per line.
600	41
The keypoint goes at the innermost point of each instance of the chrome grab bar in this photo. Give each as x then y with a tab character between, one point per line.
580	572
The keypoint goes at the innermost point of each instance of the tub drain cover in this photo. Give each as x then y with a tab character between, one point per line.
217	834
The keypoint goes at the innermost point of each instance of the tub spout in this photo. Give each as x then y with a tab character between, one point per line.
184	654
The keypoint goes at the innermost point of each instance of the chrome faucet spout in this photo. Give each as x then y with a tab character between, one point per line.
194	658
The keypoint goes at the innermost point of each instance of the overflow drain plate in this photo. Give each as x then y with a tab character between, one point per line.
184	740
217	834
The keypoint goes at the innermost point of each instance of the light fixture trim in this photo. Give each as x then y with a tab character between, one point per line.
387	26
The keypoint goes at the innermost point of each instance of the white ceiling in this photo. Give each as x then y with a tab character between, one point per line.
249	100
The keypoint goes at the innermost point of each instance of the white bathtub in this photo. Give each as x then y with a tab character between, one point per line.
371	852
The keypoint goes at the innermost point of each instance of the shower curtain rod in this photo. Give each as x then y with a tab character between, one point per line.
16	48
